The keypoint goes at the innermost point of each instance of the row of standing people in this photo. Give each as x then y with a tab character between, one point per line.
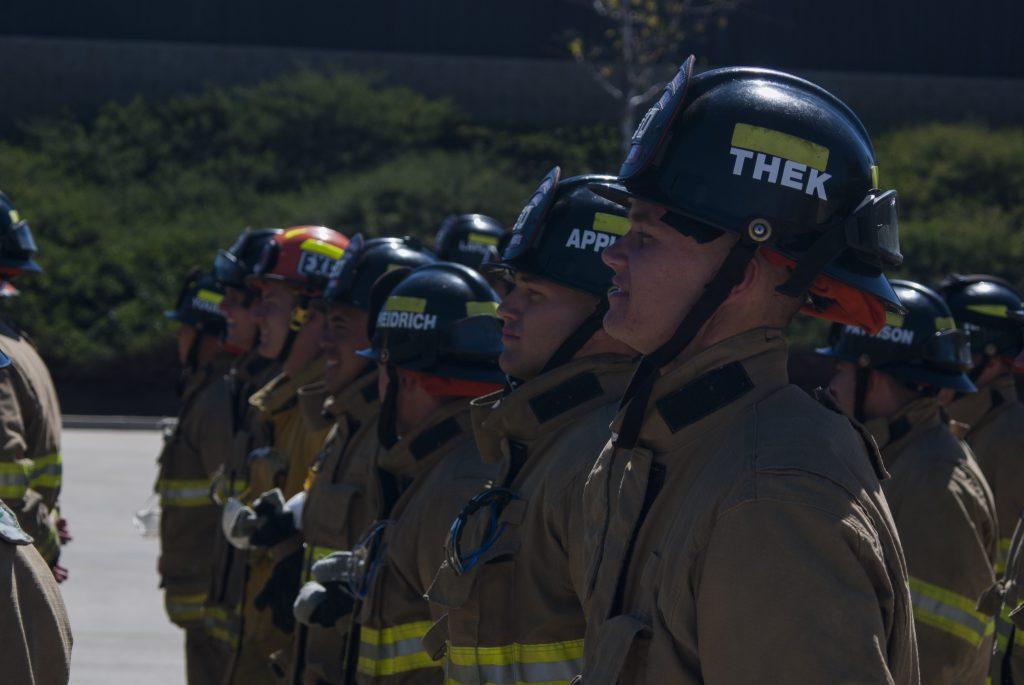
404	477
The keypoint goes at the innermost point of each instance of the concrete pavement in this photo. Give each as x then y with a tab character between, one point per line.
122	636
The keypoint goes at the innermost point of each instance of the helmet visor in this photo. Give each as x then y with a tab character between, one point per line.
949	350
228	270
21	236
874	230
530	224
650	135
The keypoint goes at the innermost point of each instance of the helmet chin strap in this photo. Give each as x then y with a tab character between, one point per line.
387	429
578	338
637	394
300	315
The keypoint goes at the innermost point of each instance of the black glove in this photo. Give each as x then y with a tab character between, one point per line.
274	523
279	592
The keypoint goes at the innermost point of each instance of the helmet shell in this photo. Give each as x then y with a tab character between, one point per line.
561	237
303	257
922	346
366	260
198	304
17	245
469	239
234	265
767	154
439	319
990	310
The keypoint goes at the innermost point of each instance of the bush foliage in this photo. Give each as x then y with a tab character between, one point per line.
124	203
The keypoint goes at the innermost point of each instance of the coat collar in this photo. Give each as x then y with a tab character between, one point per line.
976	408
281	393
711	387
547	402
894	433
417	452
357	402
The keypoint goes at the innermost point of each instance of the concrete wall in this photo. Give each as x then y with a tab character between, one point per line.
47	76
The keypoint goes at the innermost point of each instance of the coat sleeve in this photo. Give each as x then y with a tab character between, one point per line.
793	593
948	551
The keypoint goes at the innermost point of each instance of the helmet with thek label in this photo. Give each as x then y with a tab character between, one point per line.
234	265
784	165
17	245
469	239
367	259
922	347
990	310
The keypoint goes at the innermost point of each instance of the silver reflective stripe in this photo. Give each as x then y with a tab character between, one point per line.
391	650
935	606
512	674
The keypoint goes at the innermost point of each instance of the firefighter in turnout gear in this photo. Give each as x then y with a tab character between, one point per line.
249	372
33	620
187	463
436	340
944	510
991	312
292	270
514	604
735	528
30	418
336	511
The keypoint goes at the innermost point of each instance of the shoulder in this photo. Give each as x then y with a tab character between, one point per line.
796	435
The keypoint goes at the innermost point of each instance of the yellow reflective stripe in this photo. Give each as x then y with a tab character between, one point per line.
484	308
220	624
894	319
944	323
185	607
946	610
395	649
184	493
399	303
515	664
481	239
611	223
46	472
779	144
322	248
997	310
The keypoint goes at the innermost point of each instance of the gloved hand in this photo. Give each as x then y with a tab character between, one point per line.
321	605
275	522
238	523
279	592
62	531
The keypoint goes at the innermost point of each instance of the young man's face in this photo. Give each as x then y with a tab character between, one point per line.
344	333
539	315
241	327
659	275
273	316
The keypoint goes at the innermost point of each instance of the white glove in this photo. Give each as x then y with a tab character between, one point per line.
311	596
295	505
238	523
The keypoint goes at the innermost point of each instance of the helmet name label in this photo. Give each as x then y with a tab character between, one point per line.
587	239
771	169
901	336
315	264
408	320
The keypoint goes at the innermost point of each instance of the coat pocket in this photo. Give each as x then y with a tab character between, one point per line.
335	514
